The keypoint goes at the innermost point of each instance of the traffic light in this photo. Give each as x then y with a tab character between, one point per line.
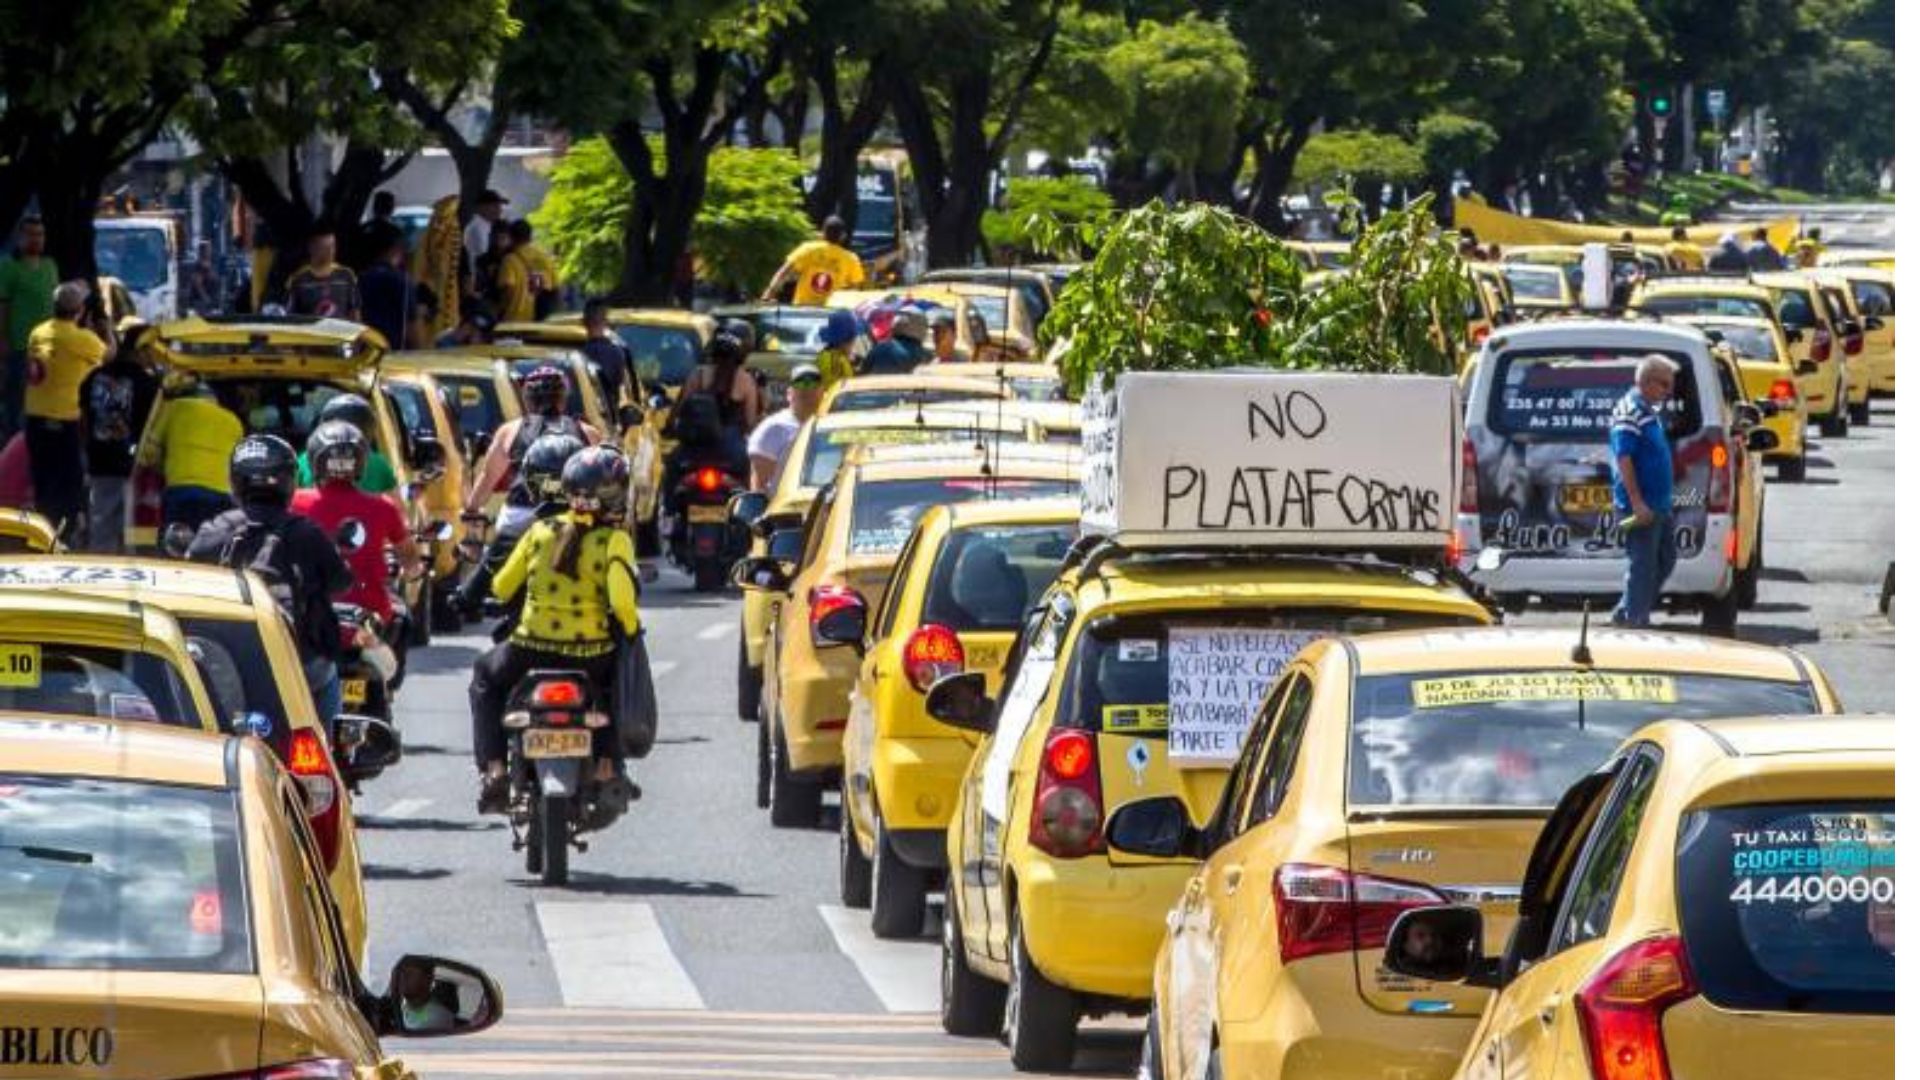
1660	103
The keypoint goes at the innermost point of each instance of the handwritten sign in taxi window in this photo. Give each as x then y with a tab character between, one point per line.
1216	679
1447	693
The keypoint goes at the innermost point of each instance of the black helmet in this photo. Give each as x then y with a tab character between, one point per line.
351	408
541	470
263	470
336	451
595	480
741	331
727	348
545	390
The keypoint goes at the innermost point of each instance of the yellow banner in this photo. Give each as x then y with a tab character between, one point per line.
1499	227
1542	686
1124	719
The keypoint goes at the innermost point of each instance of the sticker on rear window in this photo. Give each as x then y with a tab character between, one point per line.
1140	651
132	707
19	666
1543	686
1121	719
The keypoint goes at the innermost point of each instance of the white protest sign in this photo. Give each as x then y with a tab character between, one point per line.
1216	680
1255	458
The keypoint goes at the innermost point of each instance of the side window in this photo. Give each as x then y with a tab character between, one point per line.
1270	786
1244	778
883	626
329	938
816	525
1588	904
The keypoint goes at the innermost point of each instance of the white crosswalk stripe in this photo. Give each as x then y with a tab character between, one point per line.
904	975
404	808
715	632
613	954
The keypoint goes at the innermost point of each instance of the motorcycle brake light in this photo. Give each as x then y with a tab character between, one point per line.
560	694
707	480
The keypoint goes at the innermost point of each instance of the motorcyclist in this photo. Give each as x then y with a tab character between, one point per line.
299	561
544	394
581	589
538	487
338	453
378	477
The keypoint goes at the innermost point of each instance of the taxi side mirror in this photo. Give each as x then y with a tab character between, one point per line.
761	573
428	997
631	415
1760	440
1746	415
1157	827
961	701
1806	367
786	546
428	457
844	625
747	507
1795	335
366	745
1441	944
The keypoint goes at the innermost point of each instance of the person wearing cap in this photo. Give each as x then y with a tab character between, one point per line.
818	267
61	352
903	350
835	361
767	447
946	338
478	237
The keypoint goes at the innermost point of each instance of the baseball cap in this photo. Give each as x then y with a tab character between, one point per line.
841	328
804	371
910	323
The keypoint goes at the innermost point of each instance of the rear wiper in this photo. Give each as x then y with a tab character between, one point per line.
49	854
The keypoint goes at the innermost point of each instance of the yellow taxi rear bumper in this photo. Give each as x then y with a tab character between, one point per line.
917	780
813	717
1315	1021
1095	927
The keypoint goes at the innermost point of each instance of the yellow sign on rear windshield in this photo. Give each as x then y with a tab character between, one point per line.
1543	686
1127	719
889	436
19	666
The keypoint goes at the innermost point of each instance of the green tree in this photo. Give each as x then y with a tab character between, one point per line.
1037	207
1184	84
1078	99
1835	116
584	215
1358	155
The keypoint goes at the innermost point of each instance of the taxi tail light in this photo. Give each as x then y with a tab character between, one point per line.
1620	1009
1853	343
1481	333
931	653
824	600
1067	816
1784	392
1719	476
148	488
1822	345
309	762
1469	478
1324	909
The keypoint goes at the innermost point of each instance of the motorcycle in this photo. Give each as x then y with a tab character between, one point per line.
704	540
553	799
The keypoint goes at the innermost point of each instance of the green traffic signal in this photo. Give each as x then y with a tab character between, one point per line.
1660	105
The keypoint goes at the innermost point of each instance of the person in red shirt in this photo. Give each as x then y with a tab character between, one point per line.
337	452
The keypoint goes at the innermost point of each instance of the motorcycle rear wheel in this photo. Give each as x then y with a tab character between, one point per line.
551	814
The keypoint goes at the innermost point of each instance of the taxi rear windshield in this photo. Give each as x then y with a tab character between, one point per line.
1739	307
858	400
1796	308
1536	283
239	674
885	511
288	408
1751	342
121	876
478	403
1520	739
828	448
93	681
1123	670
670	352
986	578
1568	395
1788	907
524	368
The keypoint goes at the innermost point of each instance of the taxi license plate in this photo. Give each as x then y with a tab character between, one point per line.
556	744
1586	498
19	666
353	691
707	515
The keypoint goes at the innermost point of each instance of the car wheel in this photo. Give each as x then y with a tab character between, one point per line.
794	802
1746	582
1861	414
856	870
1041	1017
899	891
746	685
1794	470
970	1003
1718	614
763	784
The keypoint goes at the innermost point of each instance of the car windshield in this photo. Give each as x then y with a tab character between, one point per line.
852	400
992	310
788	330
138	257
478	402
1563	395
1535	282
1521	738
286	407
524	368
99	681
885	511
668	352
1036	388
1796	308
1751	342
1739	307
1789	907
828	448
120	876
985	578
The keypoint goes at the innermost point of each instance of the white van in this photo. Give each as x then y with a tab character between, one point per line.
139	250
1536	521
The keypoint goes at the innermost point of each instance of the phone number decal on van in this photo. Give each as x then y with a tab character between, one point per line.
1543	686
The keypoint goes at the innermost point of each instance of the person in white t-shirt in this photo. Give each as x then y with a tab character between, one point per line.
479	233
768	445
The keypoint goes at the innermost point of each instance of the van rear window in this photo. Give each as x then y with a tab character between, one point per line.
1568	395
1788	907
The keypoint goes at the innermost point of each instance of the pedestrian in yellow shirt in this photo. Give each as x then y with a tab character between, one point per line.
193	439
61	353
529	278
1684	254
818	267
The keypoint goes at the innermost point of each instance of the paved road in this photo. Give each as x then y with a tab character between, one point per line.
1840	224
698	942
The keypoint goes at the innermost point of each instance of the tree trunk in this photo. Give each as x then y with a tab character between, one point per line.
843	134
69	188
1273	171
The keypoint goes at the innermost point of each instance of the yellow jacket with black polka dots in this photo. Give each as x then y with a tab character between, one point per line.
572	614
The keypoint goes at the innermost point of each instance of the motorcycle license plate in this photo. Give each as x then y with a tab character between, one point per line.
540	743
707	515
353	691
1586	498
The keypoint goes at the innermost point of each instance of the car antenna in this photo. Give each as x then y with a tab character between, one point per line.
1582	655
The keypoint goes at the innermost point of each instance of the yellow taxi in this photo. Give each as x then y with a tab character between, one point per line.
1538	287
1044	921
87	656
246	657
275	374
666	343
1450	747
26	531
426	410
1489	305
1872	291
1805	307
1036	288
1012	328
966	577
1766	378
905	391
1856	344
1717	899
819	447
853	536
164	911
1028	380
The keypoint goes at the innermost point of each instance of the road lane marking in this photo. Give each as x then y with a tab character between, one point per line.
404	808
614	954
715	632
663	667
904	975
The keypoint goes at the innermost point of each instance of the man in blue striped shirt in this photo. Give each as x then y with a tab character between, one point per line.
1643	488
